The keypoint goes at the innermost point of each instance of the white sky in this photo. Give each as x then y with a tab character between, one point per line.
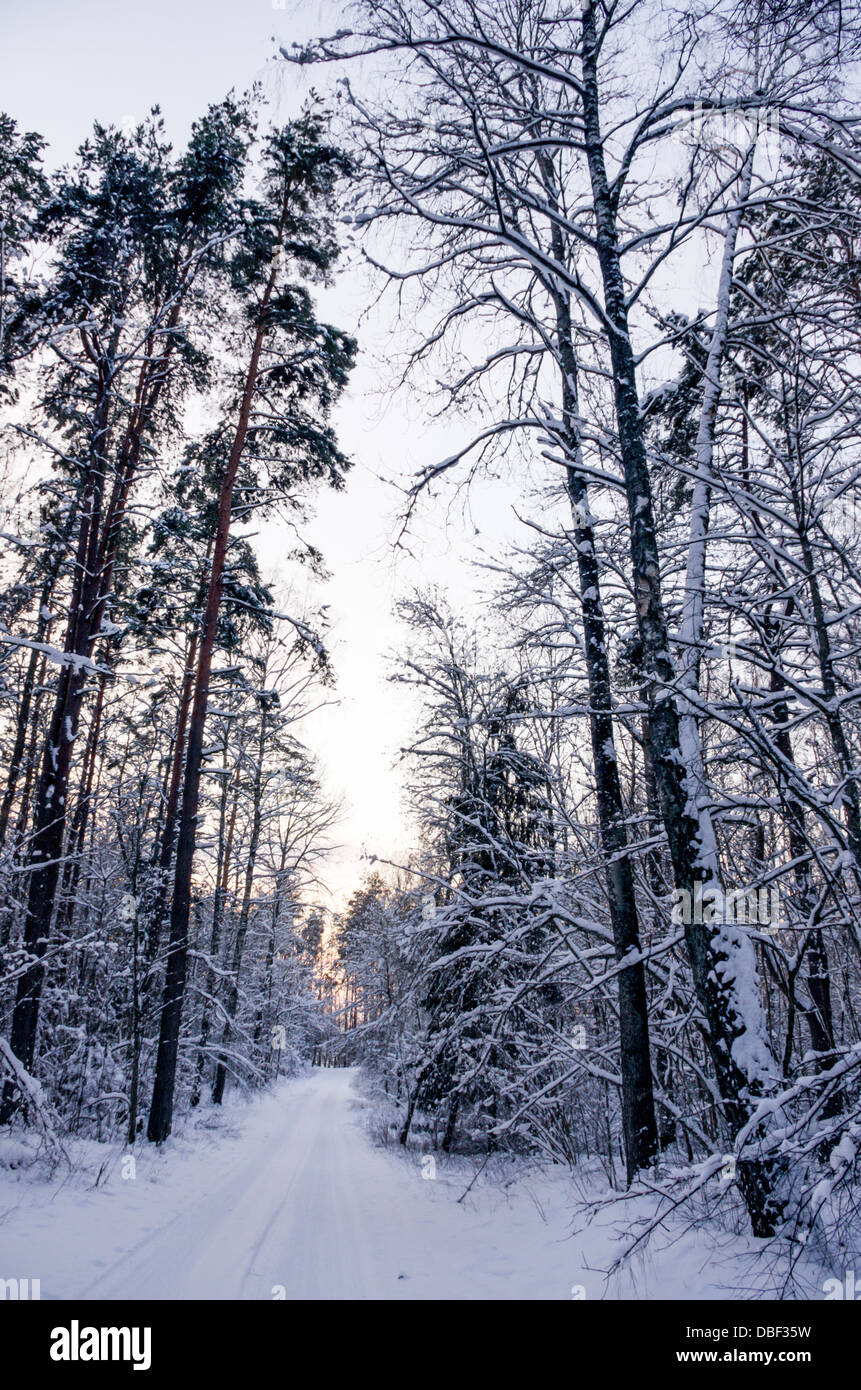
64	63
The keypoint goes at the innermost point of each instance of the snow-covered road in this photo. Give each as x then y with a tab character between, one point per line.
286	1197
289	1198
304	1212
312	1211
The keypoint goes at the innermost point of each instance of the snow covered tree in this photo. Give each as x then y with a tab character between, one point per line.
294	369
132	234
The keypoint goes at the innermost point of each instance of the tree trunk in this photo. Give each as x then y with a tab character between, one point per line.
722	959
638	1105
99	533
232	1001
161	1109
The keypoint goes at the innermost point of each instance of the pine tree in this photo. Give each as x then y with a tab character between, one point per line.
293	371
133	234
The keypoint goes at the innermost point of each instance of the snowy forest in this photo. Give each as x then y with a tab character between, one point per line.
617	251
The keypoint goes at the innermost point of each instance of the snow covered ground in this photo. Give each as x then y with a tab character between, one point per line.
286	1197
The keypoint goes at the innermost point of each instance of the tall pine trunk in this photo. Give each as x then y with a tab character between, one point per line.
232	1002
161	1109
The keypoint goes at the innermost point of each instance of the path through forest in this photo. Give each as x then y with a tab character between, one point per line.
313	1210
287	1197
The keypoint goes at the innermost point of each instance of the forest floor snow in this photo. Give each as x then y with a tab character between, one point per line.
285	1196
